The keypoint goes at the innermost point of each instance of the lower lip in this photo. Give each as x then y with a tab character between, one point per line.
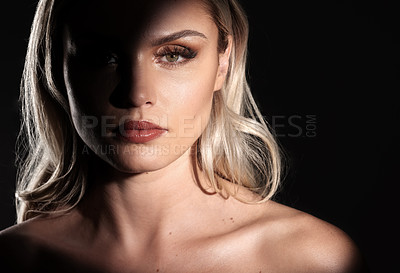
142	136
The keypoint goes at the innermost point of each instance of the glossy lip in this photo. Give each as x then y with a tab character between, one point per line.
139	131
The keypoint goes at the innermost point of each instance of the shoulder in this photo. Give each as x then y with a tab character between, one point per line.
310	244
24	233
14	235
17	248
30	247
30	237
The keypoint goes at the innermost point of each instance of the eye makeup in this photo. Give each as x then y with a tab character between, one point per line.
174	55
96	56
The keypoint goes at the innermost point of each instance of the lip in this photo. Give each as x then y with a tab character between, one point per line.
139	131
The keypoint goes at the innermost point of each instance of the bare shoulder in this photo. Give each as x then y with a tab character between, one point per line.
16	243
309	243
29	247
29	231
16	233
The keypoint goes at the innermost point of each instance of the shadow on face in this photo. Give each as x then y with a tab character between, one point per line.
155	61
117	33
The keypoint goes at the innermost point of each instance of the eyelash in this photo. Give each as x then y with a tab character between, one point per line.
181	51
109	59
99	57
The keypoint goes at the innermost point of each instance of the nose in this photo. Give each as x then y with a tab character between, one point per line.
135	88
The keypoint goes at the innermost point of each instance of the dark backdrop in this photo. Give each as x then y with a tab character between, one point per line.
325	74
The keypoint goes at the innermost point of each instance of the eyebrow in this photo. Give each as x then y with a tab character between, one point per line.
177	35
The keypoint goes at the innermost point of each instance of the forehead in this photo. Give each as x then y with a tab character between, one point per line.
130	19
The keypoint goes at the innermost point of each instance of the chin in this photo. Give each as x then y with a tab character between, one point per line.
136	159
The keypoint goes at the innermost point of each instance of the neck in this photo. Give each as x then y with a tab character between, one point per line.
141	206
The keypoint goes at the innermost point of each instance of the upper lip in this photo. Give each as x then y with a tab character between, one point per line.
139	125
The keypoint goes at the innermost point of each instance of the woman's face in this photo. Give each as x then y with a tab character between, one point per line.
140	78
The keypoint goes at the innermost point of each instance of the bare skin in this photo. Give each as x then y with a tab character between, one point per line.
217	236
146	212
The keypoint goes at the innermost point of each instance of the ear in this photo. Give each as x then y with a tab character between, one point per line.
223	66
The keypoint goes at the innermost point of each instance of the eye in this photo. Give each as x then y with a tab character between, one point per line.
104	58
174	55
98	57
109	58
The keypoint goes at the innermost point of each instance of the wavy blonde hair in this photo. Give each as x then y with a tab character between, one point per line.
237	144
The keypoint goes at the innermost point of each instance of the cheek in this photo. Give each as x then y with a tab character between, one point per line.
189	92
88	88
189	100
88	91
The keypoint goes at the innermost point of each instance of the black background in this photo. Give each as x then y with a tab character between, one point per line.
325	74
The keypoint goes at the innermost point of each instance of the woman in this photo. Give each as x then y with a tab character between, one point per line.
145	151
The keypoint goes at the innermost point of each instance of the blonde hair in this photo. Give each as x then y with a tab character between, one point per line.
237	144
